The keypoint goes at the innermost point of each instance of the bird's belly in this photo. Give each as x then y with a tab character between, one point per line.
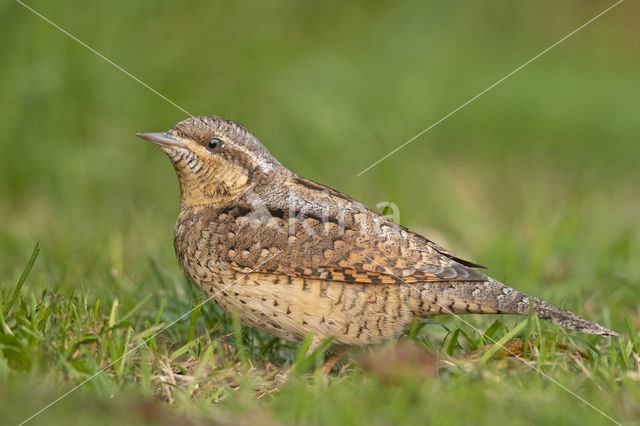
291	308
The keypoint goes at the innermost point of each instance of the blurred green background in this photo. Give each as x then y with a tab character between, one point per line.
537	179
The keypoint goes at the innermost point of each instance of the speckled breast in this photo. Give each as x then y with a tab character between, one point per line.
291	307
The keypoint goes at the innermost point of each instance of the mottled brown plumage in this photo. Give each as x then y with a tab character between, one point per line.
293	256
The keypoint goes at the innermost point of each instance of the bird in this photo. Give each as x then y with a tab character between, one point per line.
294	257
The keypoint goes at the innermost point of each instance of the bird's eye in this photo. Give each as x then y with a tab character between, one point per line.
214	144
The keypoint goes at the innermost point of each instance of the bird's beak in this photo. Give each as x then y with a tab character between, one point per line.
162	139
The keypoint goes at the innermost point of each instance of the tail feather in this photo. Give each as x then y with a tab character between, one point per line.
492	296
568	319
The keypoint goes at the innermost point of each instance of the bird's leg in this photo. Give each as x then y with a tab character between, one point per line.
336	354
330	361
333	358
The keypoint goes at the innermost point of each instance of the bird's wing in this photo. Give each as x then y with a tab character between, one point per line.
313	247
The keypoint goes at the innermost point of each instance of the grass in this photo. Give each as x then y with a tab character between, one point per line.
536	179
209	366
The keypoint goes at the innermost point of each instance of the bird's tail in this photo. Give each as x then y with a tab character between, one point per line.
491	296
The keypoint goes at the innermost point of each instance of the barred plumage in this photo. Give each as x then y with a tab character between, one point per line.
293	256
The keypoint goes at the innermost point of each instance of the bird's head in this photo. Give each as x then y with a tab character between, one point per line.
216	160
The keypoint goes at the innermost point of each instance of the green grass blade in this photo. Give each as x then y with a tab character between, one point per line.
114	313
138	306
237	337
500	343
452	344
3	325
195	313
527	332
23	277
185	348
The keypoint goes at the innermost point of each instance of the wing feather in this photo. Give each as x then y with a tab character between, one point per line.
304	245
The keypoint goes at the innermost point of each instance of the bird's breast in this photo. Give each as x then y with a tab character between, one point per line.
195	246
